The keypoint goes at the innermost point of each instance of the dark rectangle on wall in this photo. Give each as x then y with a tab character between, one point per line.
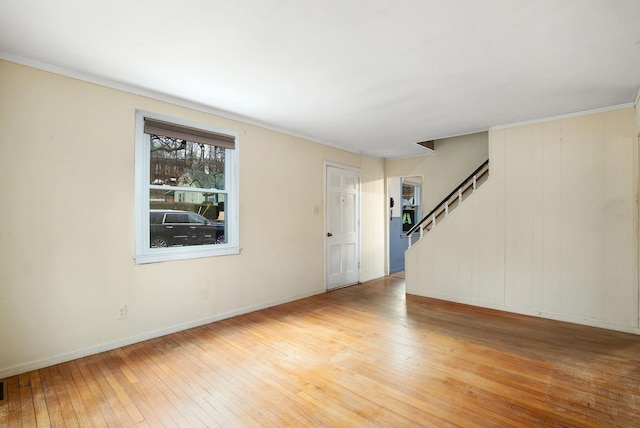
1	391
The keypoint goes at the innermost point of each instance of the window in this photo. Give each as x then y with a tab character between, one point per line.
186	190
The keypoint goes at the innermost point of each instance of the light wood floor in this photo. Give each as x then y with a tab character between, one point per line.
360	356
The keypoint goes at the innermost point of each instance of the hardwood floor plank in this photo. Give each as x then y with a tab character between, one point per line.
83	407
26	400
14	403
190	404
134	397
248	390
57	405
158	397
67	414
256	380
221	390
188	371
117	413
92	394
106	400
366	355
39	401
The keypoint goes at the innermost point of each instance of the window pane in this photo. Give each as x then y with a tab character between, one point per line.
183	218
172	218
177	162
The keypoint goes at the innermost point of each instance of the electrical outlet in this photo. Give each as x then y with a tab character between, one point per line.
123	312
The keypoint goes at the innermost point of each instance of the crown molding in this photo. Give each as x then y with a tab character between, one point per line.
563	116
159	96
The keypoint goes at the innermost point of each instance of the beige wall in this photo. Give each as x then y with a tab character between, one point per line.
67	239
452	161
374	219
552	233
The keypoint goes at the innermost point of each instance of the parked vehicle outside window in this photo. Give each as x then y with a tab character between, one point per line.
170	228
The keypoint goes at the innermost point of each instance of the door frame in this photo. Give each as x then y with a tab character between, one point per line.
325	266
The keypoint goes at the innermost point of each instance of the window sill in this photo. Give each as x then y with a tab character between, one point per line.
185	253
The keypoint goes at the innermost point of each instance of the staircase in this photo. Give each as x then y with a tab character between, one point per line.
449	203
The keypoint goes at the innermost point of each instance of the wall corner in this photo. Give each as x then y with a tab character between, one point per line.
637	106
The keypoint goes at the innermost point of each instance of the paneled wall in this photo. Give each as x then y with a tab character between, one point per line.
554	230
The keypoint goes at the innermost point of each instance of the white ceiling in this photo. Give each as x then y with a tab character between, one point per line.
372	76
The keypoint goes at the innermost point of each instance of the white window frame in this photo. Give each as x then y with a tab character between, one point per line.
143	252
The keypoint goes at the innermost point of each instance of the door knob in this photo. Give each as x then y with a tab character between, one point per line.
329	234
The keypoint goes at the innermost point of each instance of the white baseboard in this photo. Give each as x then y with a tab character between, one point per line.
62	358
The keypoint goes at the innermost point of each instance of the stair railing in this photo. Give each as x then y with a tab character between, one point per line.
428	222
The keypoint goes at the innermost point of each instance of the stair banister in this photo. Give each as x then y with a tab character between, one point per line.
472	180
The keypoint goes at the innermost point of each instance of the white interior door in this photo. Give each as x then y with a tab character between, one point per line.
343	224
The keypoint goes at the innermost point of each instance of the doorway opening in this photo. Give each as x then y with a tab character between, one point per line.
405	209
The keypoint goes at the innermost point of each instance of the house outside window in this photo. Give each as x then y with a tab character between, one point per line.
188	171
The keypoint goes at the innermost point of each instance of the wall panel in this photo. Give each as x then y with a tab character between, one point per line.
519	217
551	261
575	219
